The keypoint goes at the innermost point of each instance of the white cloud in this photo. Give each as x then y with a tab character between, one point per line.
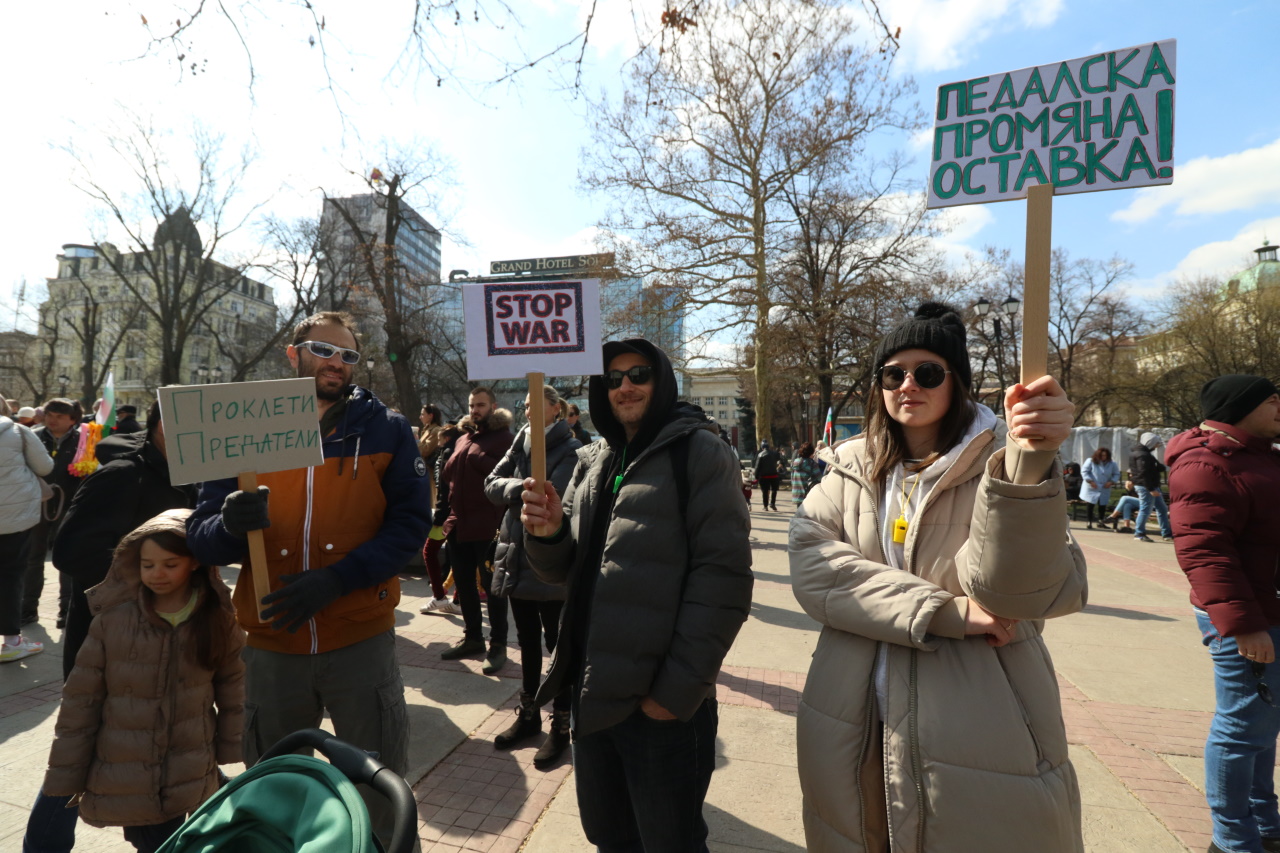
1228	256
961	226
942	34
1208	185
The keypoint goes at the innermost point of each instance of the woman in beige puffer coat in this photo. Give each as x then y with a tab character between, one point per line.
931	720
144	723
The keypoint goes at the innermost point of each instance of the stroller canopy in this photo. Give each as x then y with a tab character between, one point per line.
289	804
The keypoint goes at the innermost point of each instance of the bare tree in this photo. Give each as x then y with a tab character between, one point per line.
369	248
1078	290
170	271
711	132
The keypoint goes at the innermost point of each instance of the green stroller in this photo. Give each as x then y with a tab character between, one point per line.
298	804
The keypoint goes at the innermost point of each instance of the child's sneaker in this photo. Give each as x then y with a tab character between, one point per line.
23	649
440	607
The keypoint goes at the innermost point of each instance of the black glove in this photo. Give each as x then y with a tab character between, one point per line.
302	596
245	511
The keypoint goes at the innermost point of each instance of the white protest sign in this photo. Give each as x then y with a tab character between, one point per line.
1102	122
515	328
217	431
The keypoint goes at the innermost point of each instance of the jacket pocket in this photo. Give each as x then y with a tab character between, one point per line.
394	718
1022	709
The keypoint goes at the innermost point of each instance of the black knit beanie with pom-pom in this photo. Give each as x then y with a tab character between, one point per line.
937	328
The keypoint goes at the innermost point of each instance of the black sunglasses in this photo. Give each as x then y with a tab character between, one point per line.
928	374
641	374
1264	692
322	350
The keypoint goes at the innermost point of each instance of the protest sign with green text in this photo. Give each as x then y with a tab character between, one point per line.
1102	122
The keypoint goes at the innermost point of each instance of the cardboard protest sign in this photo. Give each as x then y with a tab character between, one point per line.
514	328
217	431
1102	122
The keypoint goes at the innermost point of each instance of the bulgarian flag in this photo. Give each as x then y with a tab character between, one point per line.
829	430
106	414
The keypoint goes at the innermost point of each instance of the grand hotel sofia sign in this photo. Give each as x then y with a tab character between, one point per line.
568	264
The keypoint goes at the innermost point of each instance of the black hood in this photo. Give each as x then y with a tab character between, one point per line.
119	445
663	404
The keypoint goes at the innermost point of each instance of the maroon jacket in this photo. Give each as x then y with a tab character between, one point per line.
471	515
1225	509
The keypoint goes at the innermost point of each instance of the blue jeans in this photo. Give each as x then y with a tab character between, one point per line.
1240	753
1126	507
641	783
51	826
1146	499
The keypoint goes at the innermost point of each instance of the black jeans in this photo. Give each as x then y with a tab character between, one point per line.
534	619
769	491
147	839
465	558
13	563
42	536
641	783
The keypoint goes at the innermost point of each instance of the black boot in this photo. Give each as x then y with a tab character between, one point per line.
556	742
526	725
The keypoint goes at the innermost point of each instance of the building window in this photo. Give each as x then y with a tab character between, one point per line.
724	401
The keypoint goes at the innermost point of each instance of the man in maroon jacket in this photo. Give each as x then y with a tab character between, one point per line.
1224	478
472	523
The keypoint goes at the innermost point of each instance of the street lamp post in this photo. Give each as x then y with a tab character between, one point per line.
1009	308
368	364
64	380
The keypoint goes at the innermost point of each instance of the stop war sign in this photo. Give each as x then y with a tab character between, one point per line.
515	327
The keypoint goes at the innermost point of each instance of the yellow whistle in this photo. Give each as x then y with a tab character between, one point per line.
900	530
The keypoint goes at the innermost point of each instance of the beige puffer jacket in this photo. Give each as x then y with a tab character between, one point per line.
975	751
137	733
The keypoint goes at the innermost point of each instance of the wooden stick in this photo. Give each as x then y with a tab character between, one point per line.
1035	291
248	482
538	438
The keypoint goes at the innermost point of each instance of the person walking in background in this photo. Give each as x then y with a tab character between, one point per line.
767	475
156	699
429	443
1100	474
336	538
930	553
535	605
23	461
471	527
1145	470
573	416
1224	483
652	541
60	436
805	474
435	555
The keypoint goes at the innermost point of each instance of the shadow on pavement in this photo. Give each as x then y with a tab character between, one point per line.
1123	613
782	618
730	829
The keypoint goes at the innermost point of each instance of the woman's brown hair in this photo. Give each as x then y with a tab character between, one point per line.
887	446
210	623
1097	455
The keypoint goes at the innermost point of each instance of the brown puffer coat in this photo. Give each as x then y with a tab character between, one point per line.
138	734
974	748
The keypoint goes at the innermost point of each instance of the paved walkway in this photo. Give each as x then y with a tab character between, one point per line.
1136	687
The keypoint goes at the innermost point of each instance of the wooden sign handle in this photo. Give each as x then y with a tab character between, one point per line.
1035	291
248	482
538	438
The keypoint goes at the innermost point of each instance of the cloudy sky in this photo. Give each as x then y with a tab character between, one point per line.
75	69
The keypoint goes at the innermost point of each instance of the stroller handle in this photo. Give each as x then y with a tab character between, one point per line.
360	767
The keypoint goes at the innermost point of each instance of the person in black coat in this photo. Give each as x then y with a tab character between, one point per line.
768	473
130	486
127	421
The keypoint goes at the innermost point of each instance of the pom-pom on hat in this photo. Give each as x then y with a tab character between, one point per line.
937	328
1228	399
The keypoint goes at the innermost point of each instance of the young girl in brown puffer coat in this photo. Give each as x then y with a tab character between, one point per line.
156	699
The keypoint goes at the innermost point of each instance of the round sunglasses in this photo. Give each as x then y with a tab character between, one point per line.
927	374
641	374
322	350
